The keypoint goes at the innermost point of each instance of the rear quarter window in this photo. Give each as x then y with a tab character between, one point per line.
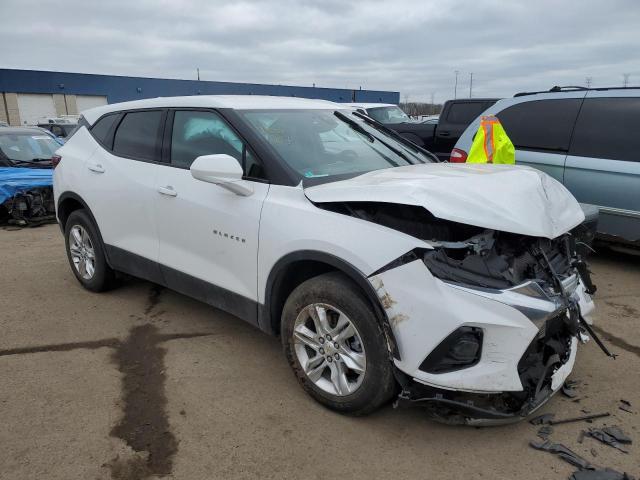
541	124
138	135
608	128
102	129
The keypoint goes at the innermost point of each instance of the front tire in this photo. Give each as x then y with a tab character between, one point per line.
86	254
335	345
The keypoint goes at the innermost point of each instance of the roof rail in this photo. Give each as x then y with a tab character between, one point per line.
572	88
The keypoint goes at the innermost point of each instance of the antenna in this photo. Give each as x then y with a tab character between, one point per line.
470	84
455	87
198	70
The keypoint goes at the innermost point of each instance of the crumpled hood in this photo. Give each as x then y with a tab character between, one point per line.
507	198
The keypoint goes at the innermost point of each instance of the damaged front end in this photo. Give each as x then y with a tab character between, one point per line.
506	310
29	208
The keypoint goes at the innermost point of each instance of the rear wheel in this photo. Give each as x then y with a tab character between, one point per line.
335	346
86	254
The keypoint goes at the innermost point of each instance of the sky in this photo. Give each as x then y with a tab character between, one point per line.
413	47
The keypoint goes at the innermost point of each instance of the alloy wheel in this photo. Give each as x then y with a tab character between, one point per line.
82	253
329	349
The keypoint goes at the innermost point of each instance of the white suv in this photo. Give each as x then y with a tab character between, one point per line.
382	272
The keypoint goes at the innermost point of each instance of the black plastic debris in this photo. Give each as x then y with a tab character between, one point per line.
564	453
545	431
612	436
569	389
542	419
625	406
604	474
583	418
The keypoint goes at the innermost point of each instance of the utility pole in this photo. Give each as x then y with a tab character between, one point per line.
198	73
470	84
455	87
625	82
433	107
588	81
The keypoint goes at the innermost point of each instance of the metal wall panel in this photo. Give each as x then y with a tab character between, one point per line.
119	89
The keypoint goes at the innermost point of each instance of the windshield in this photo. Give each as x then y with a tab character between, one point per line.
388	115
327	143
27	147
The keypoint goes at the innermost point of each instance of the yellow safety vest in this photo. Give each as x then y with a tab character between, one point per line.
491	143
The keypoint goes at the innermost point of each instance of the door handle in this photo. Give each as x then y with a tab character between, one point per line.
95	167
444	134
168	190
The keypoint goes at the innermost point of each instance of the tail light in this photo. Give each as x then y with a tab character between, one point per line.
55	160
458	156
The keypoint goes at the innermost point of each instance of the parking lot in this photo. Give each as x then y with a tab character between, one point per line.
143	382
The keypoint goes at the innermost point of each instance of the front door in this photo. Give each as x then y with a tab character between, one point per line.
208	235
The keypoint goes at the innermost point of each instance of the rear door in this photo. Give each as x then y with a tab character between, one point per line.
208	235
540	130
119	186
603	166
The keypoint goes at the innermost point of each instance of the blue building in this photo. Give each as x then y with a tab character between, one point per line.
27	96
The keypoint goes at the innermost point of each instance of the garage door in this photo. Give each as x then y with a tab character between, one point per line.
84	102
33	107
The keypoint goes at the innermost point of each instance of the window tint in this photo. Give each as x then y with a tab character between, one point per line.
608	128
465	113
102	128
206	133
541	124
137	135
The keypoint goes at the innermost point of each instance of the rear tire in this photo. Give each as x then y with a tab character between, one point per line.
350	370
86	253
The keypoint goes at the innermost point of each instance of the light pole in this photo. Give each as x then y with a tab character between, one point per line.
455	87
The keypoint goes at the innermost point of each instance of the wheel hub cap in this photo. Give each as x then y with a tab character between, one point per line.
82	252
329	349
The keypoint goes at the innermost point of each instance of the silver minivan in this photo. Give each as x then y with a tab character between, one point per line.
588	139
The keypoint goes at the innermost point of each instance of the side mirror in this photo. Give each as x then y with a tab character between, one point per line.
223	170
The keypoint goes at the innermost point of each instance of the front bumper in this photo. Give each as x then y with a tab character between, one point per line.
424	310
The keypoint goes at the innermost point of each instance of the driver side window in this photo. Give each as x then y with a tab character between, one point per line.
197	133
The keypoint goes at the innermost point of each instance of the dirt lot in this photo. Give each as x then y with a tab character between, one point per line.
142	381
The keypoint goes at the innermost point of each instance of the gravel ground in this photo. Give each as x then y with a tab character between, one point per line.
143	382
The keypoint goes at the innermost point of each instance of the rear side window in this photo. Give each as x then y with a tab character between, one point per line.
541	124
608	128
465	112
138	134
102	128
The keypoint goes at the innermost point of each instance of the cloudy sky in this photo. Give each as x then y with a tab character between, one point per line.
409	46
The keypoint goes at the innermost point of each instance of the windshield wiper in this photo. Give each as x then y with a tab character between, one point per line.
354	125
379	126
